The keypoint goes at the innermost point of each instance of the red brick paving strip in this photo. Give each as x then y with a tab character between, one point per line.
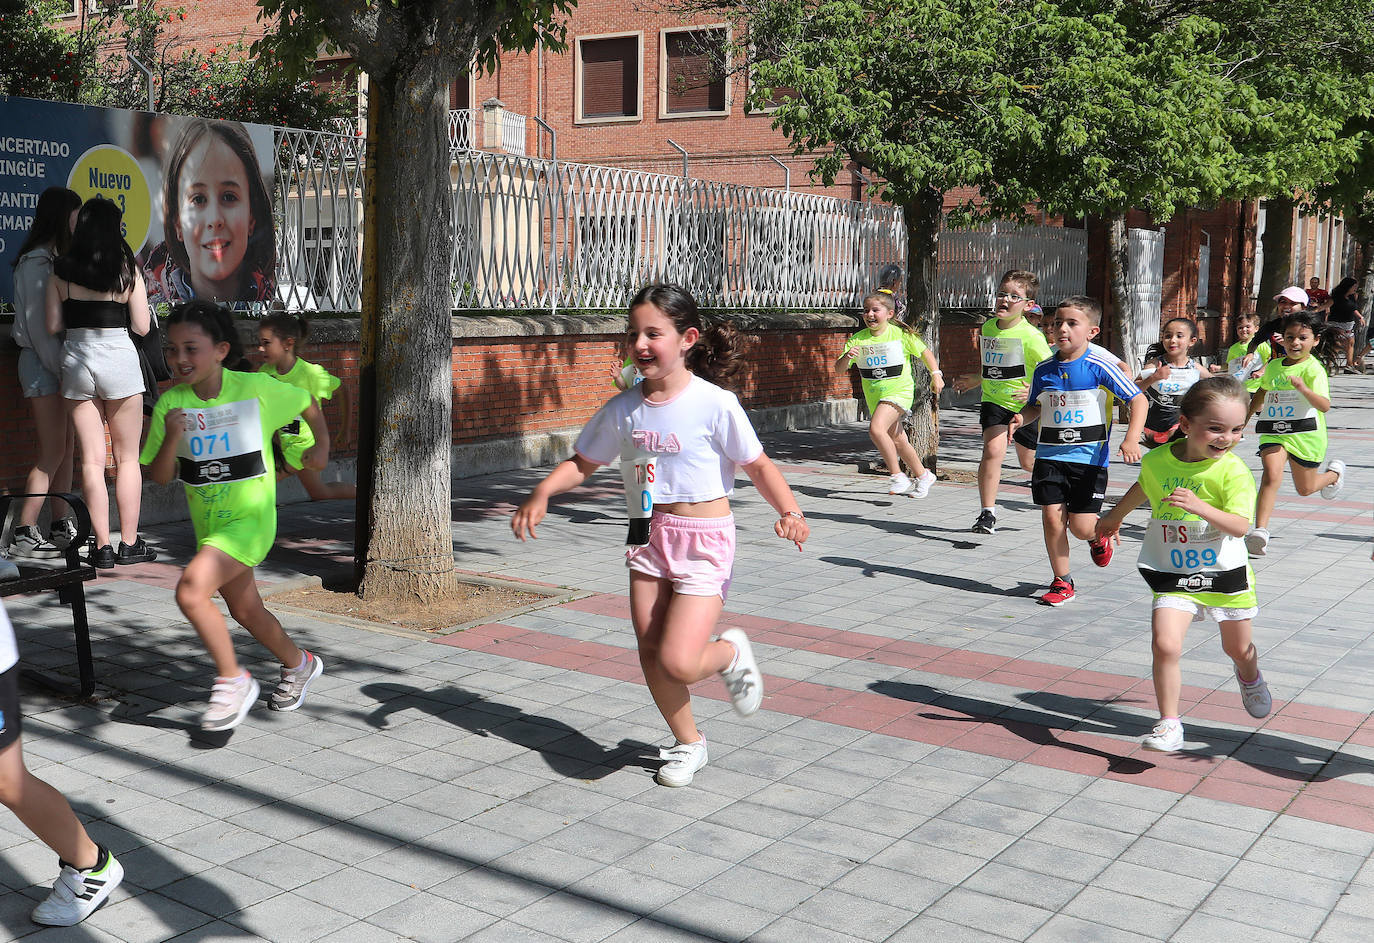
1324	799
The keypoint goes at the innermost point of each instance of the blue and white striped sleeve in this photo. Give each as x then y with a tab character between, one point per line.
1112	377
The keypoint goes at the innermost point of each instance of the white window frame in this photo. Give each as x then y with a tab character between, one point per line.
663	113
748	108
578	117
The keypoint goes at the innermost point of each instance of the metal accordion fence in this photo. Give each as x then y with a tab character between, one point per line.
972	260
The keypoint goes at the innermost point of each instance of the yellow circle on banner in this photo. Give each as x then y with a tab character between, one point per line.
112	172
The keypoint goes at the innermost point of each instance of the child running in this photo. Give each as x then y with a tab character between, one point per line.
1011	347
1242	362
679	438
1069	395
279	336
1169	374
1292	401
1193	557
213	430
883	351
89	872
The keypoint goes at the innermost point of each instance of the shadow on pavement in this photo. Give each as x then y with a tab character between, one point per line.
567	750
937	579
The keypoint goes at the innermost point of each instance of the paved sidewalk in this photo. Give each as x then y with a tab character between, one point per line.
938	758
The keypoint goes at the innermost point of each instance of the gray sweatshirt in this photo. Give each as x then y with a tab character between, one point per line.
30	297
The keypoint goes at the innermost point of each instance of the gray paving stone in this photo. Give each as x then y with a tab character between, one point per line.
1262	910
990	914
290	919
1129	912
1046	890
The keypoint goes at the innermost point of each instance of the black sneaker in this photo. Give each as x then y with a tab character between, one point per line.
986	523
102	558
140	552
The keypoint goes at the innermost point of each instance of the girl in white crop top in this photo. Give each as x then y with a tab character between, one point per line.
683	436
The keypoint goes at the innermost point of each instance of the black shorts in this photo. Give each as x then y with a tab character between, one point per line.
1305	463
993	414
10	718
1080	488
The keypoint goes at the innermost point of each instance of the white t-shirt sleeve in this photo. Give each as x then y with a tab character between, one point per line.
734	435
599	440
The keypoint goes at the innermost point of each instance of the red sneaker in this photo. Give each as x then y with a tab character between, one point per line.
1100	550
1060	592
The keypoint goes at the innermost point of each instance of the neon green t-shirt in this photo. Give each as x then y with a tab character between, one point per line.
884	362
1287	418
1183	555
1236	353
296	437
225	459
1009	357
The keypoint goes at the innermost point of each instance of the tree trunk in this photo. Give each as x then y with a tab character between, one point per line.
410	552
922	218
367	349
1118	277
1278	254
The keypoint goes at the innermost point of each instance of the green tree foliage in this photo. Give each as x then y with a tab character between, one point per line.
86	65
411	52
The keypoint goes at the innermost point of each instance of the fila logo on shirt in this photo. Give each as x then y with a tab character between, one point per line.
648	440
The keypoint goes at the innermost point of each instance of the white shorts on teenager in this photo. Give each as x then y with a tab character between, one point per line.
100	363
902	411
696	553
1201	613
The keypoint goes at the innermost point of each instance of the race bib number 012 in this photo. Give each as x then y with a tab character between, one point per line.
1286	412
222	444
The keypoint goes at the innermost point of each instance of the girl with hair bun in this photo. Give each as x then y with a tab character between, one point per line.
679	438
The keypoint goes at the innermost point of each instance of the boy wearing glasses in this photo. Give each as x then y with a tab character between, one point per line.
1011	347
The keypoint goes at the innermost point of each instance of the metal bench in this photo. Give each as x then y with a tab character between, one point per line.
67	580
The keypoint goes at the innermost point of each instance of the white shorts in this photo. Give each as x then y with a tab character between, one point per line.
100	363
1200	612
903	411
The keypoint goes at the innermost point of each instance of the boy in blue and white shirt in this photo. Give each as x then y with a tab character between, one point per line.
1069	394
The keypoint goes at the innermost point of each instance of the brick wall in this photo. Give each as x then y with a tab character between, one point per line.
510	386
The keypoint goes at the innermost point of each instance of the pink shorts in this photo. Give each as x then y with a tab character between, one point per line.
696	553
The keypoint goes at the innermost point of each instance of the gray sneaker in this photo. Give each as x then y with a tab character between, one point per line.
230	701
1255	696
29	544
290	692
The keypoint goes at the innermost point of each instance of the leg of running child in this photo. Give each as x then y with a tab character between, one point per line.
904	448
990	467
880	430
1167	630
1310	480
1272	460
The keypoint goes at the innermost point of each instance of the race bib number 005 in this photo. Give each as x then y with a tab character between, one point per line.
880	361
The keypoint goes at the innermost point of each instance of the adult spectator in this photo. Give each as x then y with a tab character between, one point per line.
40	369
96	295
1345	317
1318	298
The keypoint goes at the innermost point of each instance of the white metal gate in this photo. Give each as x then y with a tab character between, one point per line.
1145	288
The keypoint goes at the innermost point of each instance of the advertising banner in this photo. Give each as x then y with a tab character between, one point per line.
196	194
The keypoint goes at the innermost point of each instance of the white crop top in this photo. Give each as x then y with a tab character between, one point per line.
698	436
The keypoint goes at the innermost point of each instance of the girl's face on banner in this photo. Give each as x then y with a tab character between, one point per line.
214	217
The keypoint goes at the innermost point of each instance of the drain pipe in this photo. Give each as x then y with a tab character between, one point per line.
683	151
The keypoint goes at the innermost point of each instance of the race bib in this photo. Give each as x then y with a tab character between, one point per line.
1286	412
1071	417
1003	358
1244	367
880	361
1192	557
637	470
222	444
1170	390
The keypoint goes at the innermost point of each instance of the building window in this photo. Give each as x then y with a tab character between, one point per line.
780	95
694	65
609	77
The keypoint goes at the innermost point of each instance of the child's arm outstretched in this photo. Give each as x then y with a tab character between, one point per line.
791	524
1130	445
843	361
937	376
567	476
1109	525
317	456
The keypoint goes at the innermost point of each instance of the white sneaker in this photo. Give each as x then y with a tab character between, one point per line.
681	762
76	894
1165	738
1257	541
290	692
924	482
742	678
901	484
1255	696
29	544
1330	491
230	701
